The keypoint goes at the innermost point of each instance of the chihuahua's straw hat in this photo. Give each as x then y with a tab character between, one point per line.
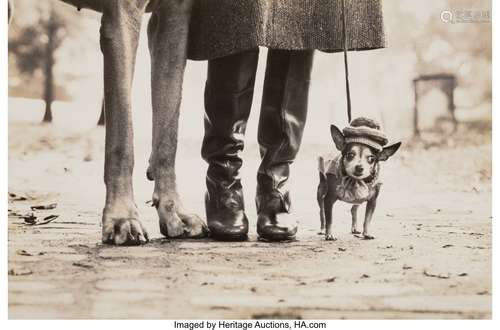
365	131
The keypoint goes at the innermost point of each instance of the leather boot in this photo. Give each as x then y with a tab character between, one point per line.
281	124
228	100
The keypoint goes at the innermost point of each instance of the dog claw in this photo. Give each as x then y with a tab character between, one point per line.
330	237
175	224
194	226
149	174
123	232
142	238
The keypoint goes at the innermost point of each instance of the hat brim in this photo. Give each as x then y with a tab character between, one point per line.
364	141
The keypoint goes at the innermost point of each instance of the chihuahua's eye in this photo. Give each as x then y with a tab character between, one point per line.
370	159
350	155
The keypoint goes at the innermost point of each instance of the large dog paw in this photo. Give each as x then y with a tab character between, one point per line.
175	223
123	231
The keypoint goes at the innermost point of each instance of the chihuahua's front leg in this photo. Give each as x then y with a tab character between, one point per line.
370	208
354	214
120	25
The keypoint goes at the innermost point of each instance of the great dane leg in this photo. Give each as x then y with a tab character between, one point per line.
120	27
167	33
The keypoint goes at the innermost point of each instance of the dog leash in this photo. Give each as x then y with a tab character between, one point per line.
346	66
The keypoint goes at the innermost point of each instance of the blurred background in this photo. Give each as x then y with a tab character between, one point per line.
54	55
431	88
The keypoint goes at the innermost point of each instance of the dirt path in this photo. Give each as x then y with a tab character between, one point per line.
431	257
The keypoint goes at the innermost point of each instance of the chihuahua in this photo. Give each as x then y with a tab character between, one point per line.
353	175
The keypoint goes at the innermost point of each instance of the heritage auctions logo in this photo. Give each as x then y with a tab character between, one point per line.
465	16
245	325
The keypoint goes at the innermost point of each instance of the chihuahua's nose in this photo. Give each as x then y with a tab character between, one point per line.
358	170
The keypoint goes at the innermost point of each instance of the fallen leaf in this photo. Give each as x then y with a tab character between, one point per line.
20	271
365	276
83	265
463	274
14	197
44	207
23	253
475	247
447	246
437	275
342	249
29	218
47	219
330	280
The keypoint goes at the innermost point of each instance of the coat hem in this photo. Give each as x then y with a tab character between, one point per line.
214	55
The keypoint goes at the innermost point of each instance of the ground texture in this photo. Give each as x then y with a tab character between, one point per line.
431	257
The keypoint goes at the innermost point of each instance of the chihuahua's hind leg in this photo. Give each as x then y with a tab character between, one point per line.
354	213
330	199
322	190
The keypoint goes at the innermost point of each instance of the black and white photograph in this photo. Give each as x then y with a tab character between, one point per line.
239	164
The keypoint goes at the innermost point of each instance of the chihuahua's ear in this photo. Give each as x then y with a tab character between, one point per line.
337	137
389	151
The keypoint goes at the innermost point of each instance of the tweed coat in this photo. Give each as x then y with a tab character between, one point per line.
222	27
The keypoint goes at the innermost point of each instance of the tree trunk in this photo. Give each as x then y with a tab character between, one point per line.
102	119
49	69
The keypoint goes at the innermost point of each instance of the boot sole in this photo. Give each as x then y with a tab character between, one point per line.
277	238
229	237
